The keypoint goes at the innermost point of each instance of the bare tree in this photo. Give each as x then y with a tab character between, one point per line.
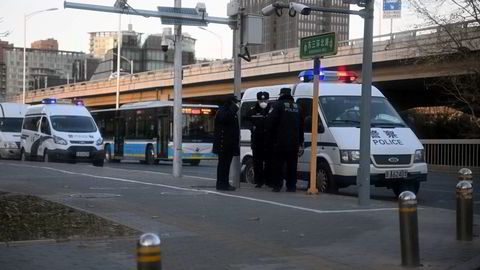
458	40
5	33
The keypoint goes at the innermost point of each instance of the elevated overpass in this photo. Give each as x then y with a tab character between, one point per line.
395	72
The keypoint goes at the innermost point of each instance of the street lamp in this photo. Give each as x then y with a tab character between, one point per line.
219	38
25	18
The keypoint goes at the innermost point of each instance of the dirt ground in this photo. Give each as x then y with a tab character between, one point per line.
26	217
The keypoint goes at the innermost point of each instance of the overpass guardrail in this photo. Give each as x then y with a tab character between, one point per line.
397	45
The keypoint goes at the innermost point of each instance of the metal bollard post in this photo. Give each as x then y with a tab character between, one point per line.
407	209
464	211
148	252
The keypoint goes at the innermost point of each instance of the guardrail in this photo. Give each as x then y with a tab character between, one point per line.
395	41
453	153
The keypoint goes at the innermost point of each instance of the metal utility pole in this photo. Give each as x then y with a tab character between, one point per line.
363	176
119	50
235	167
177	105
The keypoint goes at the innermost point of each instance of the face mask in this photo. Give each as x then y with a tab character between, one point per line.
263	105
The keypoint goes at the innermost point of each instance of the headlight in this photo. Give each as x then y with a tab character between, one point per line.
9	145
419	156
59	140
100	141
350	156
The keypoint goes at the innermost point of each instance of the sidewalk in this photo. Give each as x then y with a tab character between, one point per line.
267	231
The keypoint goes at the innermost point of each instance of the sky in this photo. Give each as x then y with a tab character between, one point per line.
70	27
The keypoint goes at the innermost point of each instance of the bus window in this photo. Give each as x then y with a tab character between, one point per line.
130	125
198	125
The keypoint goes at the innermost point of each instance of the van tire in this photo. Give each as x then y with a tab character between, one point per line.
399	188
324	181
248	174
98	162
23	155
46	156
150	155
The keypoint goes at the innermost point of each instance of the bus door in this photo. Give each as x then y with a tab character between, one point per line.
119	139
162	136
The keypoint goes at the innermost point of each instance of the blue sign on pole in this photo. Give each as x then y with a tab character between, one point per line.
392	9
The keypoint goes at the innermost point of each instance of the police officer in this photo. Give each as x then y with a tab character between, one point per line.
287	136
257	115
226	143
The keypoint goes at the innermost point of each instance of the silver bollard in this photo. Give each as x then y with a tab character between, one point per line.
148	252
407	209
464	210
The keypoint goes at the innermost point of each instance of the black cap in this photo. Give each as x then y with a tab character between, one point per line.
263	96
285	91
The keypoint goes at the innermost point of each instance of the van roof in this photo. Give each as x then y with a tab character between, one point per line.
306	89
57	109
16	110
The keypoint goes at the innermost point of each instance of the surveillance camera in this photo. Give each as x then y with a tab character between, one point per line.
300	8
164	45
268	10
201	8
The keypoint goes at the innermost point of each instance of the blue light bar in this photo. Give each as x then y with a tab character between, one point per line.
342	76
49	101
79	102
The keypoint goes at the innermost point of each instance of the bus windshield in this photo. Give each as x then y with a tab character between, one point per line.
198	127
73	123
11	124
344	111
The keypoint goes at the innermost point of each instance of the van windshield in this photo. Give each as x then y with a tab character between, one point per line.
344	111
73	123
11	124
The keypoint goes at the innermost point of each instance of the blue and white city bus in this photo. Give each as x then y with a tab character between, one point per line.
144	131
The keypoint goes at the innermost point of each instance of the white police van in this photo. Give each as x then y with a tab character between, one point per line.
397	156
11	118
58	130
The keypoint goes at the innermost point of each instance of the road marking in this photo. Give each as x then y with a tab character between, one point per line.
161	173
214	192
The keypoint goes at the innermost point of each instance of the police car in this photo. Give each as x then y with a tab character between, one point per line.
397	156
11	118
59	130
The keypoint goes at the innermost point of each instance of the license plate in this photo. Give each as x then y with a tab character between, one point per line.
396	174
83	154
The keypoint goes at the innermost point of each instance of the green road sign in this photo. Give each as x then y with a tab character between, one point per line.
318	45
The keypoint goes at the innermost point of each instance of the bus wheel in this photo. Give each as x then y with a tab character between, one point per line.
399	188
324	179
194	162
46	157
150	155
248	175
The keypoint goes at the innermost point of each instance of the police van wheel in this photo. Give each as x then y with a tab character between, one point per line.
150	155
399	188
325	182
46	156
98	163
23	155
249	173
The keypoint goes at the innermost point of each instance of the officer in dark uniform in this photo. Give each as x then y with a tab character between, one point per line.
226	143
287	136
257	115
